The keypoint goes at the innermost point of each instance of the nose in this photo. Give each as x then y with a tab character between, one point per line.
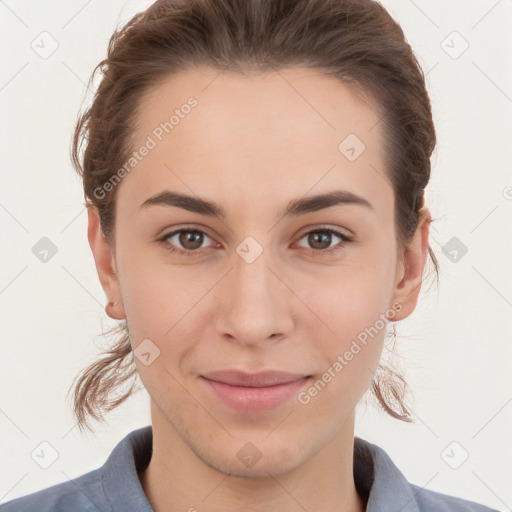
254	303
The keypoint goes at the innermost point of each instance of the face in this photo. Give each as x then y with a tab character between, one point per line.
245	282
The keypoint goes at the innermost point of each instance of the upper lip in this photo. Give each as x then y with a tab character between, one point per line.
256	380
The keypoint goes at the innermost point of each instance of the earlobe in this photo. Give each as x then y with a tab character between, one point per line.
410	271
105	264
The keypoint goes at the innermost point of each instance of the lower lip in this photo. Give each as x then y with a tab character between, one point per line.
254	400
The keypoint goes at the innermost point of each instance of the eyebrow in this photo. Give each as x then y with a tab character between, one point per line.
295	207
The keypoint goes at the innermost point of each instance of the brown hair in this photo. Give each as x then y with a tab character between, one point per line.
354	41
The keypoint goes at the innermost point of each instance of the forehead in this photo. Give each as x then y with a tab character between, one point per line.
282	131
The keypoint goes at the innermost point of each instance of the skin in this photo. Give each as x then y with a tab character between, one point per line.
252	144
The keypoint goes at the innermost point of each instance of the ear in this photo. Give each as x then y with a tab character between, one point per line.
410	268
105	264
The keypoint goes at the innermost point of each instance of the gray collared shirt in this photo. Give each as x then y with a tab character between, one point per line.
115	487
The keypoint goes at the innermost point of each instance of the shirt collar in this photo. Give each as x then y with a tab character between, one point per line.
375	476
120	479
378	478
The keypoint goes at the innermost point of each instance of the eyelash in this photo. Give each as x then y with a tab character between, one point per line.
321	252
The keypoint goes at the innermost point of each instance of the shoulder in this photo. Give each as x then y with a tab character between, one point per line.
80	494
386	488
114	485
435	501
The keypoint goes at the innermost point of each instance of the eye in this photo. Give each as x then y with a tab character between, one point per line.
190	239
188	242
320	240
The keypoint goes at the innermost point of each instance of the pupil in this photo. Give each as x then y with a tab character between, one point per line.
314	238
191	237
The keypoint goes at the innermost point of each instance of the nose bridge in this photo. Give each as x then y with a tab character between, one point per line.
255	303
250	272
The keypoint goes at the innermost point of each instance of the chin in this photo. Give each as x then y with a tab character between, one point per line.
263	459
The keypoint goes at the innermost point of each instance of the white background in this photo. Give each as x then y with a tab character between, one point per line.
455	350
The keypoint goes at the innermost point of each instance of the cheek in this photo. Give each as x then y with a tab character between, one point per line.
167	305
351	298
156	295
354	310
353	304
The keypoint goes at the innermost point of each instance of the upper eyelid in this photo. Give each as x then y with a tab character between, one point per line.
341	231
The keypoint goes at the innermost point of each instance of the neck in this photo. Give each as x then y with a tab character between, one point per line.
178	479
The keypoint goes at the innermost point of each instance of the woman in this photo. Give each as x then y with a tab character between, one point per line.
254	173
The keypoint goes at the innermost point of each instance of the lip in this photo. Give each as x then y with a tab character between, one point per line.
254	380
254	393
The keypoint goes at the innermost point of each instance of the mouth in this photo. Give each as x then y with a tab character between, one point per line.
253	393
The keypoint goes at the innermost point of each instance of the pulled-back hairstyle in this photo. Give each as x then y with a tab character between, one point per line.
354	41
